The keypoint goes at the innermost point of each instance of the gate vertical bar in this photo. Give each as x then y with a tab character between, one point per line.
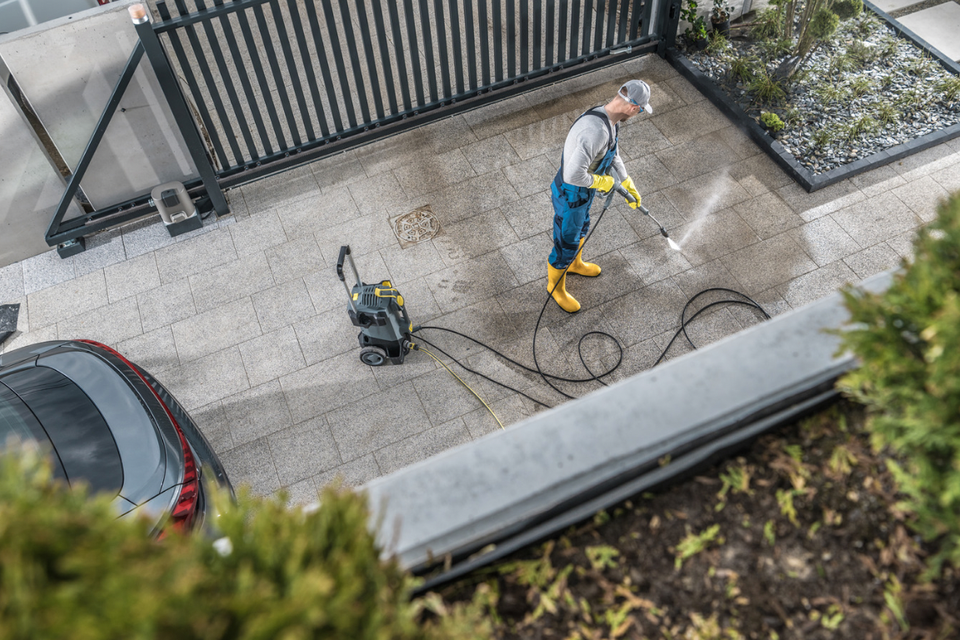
371	62
324	66
598	29
442	48
587	23
562	32
484	43
385	54
537	36
625	12
291	69
307	61
403	76
457	45
360	89
414	50
282	94
611	22
511	38
251	46
331	24
469	24
647	19
181	113
524	37
576	25
231	91
191	81
497	42
244	77
551	21
425	33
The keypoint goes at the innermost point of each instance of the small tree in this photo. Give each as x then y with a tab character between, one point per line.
908	342
818	22
70	569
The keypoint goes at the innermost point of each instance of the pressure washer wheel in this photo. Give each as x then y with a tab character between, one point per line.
373	356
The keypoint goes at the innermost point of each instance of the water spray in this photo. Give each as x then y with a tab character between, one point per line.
626	194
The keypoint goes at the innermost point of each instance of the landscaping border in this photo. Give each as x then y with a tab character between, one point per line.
787	161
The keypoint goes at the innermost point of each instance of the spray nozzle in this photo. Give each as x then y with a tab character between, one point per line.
626	194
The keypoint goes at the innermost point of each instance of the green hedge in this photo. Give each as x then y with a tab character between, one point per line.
908	342
69	569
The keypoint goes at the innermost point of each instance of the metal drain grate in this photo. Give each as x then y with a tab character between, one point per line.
416	226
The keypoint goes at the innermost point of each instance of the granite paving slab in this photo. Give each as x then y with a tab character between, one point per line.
768	263
817	284
869	222
221	327
824	241
922	196
939	26
363	427
303	451
888	6
110	324
768	215
422	446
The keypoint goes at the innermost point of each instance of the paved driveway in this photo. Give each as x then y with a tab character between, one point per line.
246	322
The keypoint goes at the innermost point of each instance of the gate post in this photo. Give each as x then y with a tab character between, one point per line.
181	114
671	22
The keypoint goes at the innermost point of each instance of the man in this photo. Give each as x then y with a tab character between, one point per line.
590	151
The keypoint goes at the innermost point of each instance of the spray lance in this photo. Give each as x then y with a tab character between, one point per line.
626	194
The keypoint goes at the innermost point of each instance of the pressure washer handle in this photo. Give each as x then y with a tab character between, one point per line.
626	194
623	192
345	253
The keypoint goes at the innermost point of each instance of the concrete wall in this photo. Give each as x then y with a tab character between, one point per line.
67	69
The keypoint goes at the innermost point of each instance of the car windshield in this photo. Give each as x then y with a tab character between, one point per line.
46	407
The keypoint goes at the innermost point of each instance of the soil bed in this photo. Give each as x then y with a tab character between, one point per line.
864	91
799	537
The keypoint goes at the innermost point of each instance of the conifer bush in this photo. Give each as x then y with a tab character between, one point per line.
70	569
908	342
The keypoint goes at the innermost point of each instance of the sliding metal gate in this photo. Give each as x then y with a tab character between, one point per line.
259	86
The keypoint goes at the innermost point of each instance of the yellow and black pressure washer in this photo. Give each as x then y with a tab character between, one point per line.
386	333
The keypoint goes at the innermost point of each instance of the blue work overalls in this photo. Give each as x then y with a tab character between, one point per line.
571	205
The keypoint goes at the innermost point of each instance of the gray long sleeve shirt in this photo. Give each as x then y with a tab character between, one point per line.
587	142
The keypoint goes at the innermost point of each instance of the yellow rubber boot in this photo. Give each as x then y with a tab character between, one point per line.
581	268
556	283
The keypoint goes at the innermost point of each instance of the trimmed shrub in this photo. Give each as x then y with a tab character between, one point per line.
70	569
771	121
908	342
846	9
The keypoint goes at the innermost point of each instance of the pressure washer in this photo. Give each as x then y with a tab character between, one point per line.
386	333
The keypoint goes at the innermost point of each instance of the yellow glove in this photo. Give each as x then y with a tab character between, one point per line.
632	190
602	183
